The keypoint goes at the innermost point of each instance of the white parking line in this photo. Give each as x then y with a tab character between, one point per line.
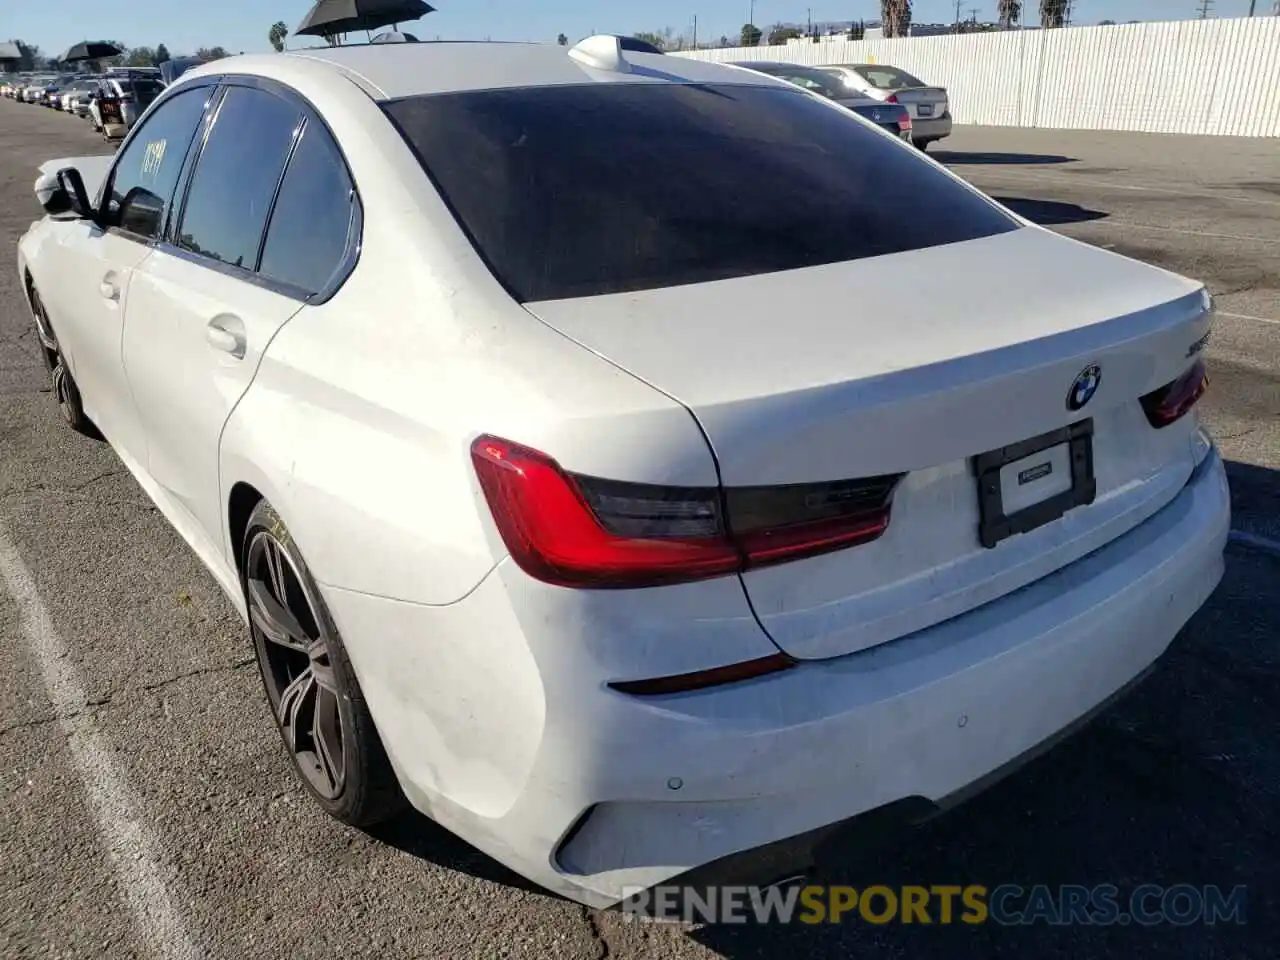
1113	185
133	853
1242	237
1245	316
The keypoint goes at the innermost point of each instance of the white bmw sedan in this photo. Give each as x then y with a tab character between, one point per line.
630	461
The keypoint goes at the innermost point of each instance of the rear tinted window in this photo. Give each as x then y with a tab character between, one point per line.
888	78
808	78
311	221
577	191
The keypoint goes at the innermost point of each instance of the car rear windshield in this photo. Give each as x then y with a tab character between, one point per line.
577	191
807	78
888	78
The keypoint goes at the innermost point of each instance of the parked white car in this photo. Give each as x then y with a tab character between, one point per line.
82	99
128	96
619	524
930	107
33	92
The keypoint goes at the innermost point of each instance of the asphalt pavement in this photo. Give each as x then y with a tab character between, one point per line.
148	809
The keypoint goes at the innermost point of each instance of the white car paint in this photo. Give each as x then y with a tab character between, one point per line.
921	666
93	170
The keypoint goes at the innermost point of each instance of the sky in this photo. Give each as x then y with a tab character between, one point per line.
242	25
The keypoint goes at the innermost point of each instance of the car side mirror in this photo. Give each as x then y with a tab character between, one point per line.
72	185
52	196
141	212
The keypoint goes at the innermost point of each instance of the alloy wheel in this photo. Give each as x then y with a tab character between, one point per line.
294	654
43	331
64	387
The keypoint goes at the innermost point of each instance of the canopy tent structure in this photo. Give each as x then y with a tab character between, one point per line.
333	18
10	55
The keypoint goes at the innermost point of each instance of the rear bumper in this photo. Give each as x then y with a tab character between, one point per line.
933	128
623	793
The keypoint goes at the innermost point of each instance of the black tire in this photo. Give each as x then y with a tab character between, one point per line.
923	145
360	787
64	384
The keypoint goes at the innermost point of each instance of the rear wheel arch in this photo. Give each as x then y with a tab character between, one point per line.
29	289
318	705
243	499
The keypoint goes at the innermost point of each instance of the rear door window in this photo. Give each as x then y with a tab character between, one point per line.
235	179
312	220
576	191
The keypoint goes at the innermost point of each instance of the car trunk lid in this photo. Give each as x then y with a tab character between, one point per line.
917	363
923	103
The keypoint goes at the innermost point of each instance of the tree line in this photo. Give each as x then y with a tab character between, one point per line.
895	21
33	58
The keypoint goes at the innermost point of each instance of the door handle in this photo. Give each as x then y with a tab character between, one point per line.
109	289
226	334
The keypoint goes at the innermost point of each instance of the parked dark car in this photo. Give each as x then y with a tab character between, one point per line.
893	117
49	98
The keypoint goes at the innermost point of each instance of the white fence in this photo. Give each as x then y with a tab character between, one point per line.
1193	76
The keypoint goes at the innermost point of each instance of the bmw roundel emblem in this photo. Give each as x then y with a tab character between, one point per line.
1084	387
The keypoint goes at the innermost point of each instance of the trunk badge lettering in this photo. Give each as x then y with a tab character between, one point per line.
1032	474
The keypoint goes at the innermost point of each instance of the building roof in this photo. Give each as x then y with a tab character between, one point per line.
9	51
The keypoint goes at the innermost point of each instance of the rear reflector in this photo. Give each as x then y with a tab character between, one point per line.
904	123
684	682
1172	401
582	531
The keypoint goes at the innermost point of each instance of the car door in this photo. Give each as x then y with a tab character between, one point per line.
202	312
98	259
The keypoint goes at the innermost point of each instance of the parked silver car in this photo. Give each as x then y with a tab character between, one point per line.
929	107
33	92
119	100
77	97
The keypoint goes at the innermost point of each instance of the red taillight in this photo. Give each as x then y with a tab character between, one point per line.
1172	401
553	533
587	532
892	98
776	524
904	123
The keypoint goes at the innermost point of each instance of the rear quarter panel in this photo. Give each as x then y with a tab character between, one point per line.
358	424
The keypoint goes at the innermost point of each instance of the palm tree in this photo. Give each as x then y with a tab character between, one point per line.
1010	13
277	35
1053	13
895	17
